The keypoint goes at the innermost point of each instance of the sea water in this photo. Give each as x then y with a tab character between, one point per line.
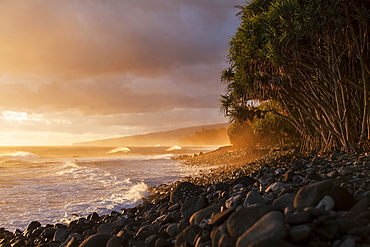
59	184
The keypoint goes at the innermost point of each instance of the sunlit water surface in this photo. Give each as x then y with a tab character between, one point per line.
58	184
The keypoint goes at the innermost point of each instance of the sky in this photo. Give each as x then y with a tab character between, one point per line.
74	71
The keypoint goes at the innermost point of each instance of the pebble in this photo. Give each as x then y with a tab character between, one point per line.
309	201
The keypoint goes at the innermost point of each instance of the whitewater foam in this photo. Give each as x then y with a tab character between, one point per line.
53	190
173	148
20	155
119	149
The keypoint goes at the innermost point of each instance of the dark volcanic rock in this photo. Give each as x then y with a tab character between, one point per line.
33	225
191	205
246	181
96	240
310	195
343	199
270	227
220	217
286	200
242	207
187	235
242	219
183	190
205	213
253	197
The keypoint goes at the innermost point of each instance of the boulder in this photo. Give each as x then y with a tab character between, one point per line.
184	190
286	200
310	195
60	235
187	235
191	205
242	219
96	240
205	213
271	227
245	180
253	197
33	225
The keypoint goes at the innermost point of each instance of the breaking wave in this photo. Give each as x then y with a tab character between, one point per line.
119	149
20	155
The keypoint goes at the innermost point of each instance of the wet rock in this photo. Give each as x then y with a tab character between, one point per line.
174	207
299	233
234	201
226	241
161	242
348	242
217	233
220	217
333	174
310	195
276	187
172	229
60	234
313	176
298	218
327	203
187	235
191	205
286	200
343	199
205	213
253	197
360	206
245	217
245	180
270	227
94	216
114	242
184	190
288	176
33	225
96	240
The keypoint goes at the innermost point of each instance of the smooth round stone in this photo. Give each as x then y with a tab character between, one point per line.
33	225
299	233
270	227
253	197
96	240
60	234
277	186
298	218
172	229
327	203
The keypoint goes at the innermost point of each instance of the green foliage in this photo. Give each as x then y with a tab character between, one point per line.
311	56
274	127
242	135
270	128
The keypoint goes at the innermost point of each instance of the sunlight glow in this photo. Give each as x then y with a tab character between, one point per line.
13	116
24	117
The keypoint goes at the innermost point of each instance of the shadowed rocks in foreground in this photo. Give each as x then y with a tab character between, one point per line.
310	201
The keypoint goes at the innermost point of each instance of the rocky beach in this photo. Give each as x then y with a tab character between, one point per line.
255	197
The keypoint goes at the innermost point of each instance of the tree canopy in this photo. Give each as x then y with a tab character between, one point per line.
313	57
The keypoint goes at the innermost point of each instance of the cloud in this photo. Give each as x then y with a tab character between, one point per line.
84	38
113	67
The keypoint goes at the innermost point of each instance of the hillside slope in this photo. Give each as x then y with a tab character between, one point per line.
164	138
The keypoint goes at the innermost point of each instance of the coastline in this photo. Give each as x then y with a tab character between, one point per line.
302	200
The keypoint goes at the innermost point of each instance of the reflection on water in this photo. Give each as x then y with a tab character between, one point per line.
50	184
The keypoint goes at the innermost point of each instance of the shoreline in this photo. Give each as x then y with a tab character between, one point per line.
309	200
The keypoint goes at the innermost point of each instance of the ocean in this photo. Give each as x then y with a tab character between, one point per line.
60	184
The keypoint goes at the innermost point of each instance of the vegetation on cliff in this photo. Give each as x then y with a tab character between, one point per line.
311	56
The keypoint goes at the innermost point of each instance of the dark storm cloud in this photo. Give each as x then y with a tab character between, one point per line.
92	56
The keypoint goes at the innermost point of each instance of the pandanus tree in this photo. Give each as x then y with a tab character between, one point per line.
313	57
